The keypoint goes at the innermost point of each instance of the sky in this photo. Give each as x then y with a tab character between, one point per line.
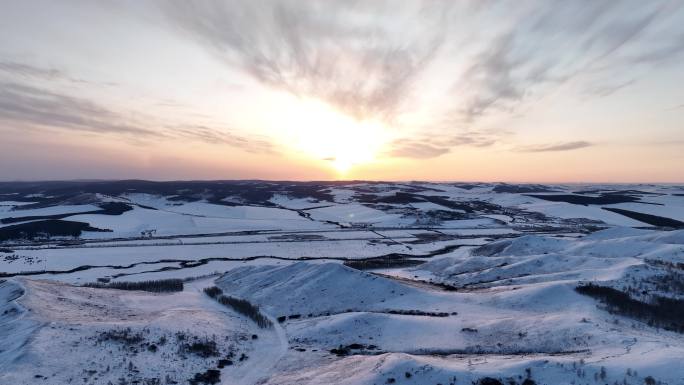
517	91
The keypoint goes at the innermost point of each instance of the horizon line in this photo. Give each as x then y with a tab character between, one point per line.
339	181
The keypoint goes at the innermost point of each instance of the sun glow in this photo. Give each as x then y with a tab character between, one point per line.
340	141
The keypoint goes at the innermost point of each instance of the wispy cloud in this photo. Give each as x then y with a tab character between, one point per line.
23	69
607	89
550	46
554	147
339	52
12	69
26	105
223	137
431	147
416	149
666	50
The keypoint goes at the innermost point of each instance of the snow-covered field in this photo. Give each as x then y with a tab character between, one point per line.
361	283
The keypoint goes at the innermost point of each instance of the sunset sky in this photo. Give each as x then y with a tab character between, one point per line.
538	91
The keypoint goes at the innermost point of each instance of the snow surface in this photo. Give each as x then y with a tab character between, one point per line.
489	295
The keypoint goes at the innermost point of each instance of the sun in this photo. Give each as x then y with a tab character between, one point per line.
339	141
342	166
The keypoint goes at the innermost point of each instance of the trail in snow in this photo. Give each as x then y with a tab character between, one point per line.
265	355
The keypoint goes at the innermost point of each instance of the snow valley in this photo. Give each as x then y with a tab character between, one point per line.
254	282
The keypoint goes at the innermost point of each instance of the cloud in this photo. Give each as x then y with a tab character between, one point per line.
425	148
338	52
552	45
214	136
474	139
27	106
406	148
493	71
607	89
660	51
553	147
24	105
27	70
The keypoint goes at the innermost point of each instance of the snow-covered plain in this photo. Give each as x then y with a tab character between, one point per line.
364	283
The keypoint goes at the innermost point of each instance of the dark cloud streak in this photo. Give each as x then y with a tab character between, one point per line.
555	147
214	136
425	148
27	70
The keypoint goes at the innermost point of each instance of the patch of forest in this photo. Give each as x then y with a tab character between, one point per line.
108	208
647	218
659	311
46	229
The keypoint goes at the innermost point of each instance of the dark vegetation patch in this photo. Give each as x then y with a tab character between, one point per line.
383	262
211	376
155	286
409	312
432	237
223	362
246	308
397	198
488	381
125	336
669	280
355	348
395	259
468	186
521	188
204	348
407	198
107	208
602	199
241	306
619	192
208	354
667	264
446	215
297	237
651	219
659	311
25	259
418	313
417	186
213	291
46	229
446	202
